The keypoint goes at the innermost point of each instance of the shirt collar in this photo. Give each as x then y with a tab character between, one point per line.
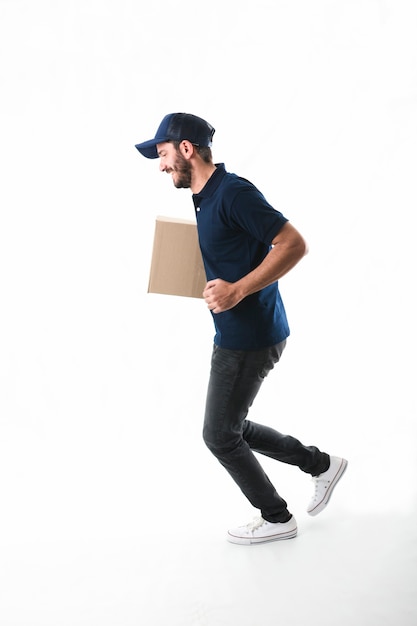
212	183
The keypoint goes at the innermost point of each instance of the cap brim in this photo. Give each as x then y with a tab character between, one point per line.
148	149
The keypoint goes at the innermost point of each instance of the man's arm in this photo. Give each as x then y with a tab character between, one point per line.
289	247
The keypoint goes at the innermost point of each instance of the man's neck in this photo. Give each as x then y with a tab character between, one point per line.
201	176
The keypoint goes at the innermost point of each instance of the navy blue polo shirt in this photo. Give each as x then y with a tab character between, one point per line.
236	226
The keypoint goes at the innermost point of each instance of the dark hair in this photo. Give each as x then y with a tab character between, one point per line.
203	151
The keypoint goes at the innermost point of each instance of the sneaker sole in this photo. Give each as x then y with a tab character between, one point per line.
247	541
321	505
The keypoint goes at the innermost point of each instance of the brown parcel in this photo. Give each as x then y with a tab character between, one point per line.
177	266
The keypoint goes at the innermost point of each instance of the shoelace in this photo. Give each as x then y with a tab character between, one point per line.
256	523
317	480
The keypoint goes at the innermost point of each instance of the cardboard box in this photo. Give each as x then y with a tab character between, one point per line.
177	266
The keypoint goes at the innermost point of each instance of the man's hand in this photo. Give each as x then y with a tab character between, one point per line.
221	296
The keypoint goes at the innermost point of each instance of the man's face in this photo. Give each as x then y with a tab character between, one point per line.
172	162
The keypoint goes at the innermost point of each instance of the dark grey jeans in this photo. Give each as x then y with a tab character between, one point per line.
235	379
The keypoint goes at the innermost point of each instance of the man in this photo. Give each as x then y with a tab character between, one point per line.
247	246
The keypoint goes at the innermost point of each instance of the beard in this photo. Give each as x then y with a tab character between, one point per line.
182	168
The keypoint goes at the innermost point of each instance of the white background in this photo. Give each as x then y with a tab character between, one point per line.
112	511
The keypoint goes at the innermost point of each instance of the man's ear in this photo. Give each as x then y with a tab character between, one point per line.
186	148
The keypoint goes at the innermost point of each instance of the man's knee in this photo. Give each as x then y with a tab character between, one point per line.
220	442
209	439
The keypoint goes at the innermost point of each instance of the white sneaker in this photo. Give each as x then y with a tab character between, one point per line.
260	531
325	483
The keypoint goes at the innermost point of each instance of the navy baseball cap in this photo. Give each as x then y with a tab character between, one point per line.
177	127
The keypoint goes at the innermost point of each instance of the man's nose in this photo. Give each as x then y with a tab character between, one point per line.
162	166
